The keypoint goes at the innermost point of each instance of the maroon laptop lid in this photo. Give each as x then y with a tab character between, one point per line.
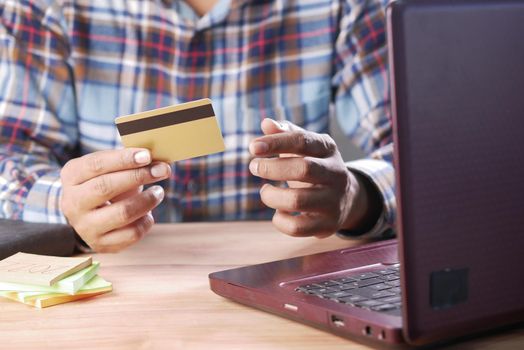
458	95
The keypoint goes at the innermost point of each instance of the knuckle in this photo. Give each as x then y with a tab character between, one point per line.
264	169
329	144
125	212
138	176
150	199
136	233
302	140
94	163
341	178
102	186
123	159
305	170
64	172
344	178
296	200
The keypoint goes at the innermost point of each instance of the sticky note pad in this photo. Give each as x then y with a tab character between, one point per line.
40	270
174	133
68	285
96	286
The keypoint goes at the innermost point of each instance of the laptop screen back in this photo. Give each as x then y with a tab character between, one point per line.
458	109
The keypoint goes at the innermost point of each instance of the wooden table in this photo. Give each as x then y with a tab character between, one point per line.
161	298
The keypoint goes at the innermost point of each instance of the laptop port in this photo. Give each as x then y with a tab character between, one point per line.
337	321
367	331
291	307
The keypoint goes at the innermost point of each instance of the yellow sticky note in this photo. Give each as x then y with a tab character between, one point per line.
96	286
174	133
40	270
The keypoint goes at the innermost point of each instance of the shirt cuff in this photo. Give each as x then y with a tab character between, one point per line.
382	175
42	203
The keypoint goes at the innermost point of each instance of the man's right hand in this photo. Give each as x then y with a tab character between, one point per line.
103	197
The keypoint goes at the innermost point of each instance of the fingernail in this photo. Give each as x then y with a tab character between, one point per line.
260	147
263	187
158	192
150	216
142	157
284	126
253	167
276	124
159	170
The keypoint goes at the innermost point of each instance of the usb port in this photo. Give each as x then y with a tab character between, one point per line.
337	321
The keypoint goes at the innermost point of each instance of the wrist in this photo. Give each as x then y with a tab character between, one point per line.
366	204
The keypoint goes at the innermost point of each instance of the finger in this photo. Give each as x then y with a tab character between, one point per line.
132	192
311	170
296	199
303	225
120	214
300	142
95	192
119	239
270	126
79	170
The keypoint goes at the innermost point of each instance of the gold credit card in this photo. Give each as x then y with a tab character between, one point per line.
175	132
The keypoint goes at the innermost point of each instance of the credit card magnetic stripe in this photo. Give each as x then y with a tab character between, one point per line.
166	119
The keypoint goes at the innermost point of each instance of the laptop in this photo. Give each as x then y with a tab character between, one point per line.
457	81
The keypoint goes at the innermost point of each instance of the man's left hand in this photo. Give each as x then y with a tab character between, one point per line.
322	197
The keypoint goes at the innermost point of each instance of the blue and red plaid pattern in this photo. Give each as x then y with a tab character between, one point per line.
68	68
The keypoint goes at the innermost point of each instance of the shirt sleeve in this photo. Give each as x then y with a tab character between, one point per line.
38	130
362	99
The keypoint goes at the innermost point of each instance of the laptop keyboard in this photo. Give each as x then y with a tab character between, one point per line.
377	290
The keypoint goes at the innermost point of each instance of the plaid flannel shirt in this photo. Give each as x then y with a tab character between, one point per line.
69	67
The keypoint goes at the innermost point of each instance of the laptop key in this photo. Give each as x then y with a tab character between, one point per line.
352	299
393	283
328	283
380	286
383	307
336	287
338	295
368	303
395	299
346	287
307	287
345	280
385	272
365	276
321	291
382	294
367	282
397	290
365	292
389	277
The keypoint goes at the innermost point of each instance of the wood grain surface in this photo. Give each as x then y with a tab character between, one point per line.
162	300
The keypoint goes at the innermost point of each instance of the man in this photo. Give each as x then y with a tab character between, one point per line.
68	68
